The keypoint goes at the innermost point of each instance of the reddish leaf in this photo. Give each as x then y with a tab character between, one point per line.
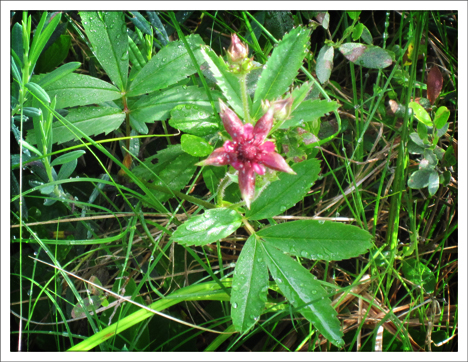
434	84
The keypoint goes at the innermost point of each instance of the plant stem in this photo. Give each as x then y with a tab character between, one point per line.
244	97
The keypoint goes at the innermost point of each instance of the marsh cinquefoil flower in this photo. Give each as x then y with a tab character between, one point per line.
248	152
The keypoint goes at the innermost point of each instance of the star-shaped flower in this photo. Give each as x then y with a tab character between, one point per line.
248	152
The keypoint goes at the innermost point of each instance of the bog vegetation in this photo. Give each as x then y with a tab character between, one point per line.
234	181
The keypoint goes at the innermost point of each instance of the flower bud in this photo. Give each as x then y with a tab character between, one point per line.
282	109
237	50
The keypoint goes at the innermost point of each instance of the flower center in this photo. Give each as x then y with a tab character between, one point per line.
247	151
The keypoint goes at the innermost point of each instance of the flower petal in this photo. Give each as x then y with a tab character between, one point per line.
219	157
274	161
231	122
263	125
268	147
258	168
247	183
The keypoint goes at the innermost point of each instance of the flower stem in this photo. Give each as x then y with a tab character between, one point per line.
225	182
244	97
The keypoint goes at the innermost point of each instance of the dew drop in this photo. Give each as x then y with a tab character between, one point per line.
234	305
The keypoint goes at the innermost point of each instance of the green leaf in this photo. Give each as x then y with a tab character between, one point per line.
357	31
420	113
167	67
15	70
67	157
195	145
434	182
58	74
212	176
324	63
157	106
42	36
449	157
213	225
419	274
285	193
319	240
90	304
160	31
107	33
17	40
90	120
249	286
304	293
67	169
279	22
37	91
422	131
366	35
194	119
54	55
174	170
422	178
281	68
441	117
354	14
226	81
79	90
141	23
368	56
309	111
32	111
300	93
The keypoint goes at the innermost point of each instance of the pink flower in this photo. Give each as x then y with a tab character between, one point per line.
247	152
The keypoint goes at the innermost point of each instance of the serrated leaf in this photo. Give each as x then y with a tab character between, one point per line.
441	117
90	120
309	111
300	93
368	56
304	293
226	81
420	113
58	73
67	157
197	120
319	240
419	274
281	68
324	63
108	36
195	146
79	90
171	64
213	225
285	193
157	106
249	286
